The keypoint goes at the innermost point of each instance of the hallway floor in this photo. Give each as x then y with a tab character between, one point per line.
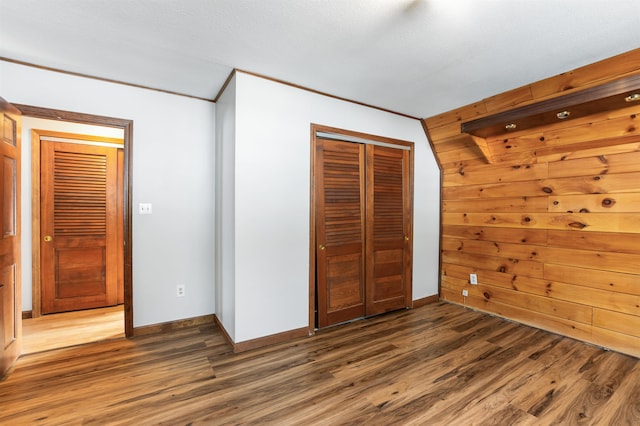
66	329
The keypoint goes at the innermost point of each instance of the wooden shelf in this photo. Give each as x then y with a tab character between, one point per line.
606	97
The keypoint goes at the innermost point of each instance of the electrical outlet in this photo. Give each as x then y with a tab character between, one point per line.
180	290
473	279
465	293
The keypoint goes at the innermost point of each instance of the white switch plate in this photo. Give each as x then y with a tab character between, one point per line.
465	293
473	279
144	208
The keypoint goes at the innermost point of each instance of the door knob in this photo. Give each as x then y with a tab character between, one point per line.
47	238
321	247
406	238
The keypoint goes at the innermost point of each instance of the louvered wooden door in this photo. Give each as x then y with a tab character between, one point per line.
10	312
363	229
388	230
79	226
340	186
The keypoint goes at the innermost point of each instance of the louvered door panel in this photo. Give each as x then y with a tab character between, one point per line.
339	231
80	194
78	266
388	233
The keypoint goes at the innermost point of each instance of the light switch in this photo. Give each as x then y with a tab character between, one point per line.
144	208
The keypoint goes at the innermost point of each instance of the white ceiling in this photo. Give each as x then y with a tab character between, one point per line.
417	57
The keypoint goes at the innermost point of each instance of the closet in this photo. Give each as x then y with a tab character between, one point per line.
363	225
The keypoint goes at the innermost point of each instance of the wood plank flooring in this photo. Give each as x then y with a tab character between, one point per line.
66	329
439	364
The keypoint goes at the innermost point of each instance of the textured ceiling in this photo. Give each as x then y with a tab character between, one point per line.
418	57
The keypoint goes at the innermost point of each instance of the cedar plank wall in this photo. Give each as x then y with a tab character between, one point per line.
533	266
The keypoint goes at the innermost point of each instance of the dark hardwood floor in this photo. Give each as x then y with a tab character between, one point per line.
439	364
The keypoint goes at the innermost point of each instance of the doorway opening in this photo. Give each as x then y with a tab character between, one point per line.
110	322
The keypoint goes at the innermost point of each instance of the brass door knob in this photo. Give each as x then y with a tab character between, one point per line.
321	247
47	238
406	238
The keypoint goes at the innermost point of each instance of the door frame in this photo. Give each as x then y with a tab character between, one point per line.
127	127
350	136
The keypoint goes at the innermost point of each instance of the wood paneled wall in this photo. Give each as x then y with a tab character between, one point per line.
552	225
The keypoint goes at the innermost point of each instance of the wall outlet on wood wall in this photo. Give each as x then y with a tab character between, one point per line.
473	279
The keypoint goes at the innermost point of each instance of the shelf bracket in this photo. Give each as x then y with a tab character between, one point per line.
481	144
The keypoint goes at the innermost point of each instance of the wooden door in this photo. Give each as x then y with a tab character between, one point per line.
10	305
79	226
363	230
388	230
340	190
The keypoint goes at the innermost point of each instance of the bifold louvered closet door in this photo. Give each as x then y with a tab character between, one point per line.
78	208
363	230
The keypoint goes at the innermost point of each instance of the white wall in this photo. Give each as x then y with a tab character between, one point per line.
264	191
173	163
28	124
225	207
272	199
